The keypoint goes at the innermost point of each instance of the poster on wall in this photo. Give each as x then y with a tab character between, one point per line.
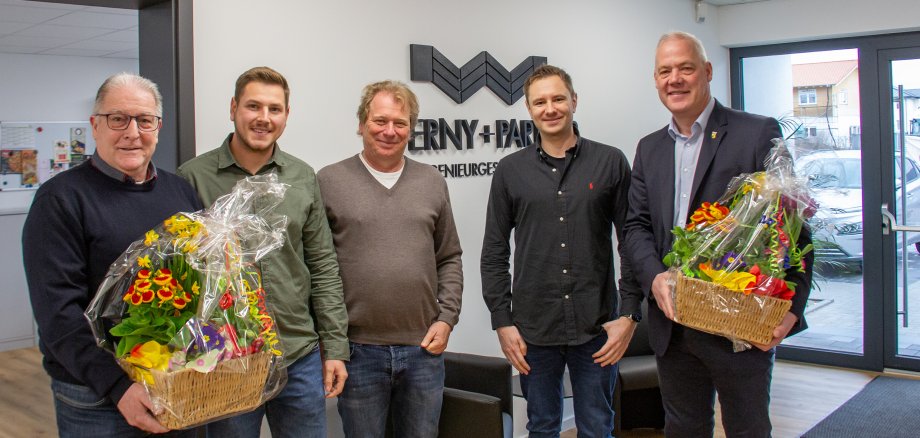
61	152
33	152
77	145
28	158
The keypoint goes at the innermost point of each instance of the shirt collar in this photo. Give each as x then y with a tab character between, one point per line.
698	124
573	151
225	158
97	162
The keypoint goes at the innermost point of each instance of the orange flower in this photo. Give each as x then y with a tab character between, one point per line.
163	277
179	303
708	213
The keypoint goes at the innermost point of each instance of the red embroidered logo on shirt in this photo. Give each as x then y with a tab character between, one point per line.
590	186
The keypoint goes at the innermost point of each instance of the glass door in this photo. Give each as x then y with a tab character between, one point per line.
850	109
815	96
899	73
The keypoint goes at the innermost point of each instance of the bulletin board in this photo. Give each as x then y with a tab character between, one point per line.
33	152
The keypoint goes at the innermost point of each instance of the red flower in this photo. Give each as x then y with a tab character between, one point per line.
226	300
770	286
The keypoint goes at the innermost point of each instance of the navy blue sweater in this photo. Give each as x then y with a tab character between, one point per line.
79	223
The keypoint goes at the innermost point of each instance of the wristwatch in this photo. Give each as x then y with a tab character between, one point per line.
635	317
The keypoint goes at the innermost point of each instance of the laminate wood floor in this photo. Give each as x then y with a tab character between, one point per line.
802	395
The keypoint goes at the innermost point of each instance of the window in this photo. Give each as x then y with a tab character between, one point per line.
842	97
807	96
912	172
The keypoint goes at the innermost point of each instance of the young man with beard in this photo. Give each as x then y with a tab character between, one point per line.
301	278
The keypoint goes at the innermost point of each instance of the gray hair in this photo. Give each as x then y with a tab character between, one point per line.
126	79
693	40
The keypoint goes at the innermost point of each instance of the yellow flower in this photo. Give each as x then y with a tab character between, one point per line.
150	237
189	247
149	356
737	281
195	288
144	261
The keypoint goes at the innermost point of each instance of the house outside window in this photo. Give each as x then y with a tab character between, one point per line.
808	96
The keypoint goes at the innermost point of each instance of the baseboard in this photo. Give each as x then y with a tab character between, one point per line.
13	344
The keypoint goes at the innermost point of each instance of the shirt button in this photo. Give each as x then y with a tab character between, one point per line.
554	169
683	195
559	193
565	271
562	245
561	219
566	297
686	169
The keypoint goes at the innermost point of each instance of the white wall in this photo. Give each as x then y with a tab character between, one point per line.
330	50
780	21
50	88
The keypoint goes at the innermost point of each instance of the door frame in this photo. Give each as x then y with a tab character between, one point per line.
889	258
872	137
166	57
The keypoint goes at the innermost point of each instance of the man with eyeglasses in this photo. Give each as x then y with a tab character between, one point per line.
79	223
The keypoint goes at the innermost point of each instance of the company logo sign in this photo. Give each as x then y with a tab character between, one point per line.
459	83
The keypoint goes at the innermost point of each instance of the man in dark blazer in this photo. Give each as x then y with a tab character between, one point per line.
677	168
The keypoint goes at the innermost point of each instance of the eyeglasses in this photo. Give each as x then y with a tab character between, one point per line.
120	122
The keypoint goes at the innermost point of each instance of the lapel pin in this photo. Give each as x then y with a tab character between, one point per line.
714	134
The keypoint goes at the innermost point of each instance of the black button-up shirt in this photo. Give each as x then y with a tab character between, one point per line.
563	212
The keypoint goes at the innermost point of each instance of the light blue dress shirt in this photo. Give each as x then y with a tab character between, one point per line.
686	154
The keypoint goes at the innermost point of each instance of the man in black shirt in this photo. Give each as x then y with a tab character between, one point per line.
562	197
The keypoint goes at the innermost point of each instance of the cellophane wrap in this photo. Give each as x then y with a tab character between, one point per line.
184	311
729	263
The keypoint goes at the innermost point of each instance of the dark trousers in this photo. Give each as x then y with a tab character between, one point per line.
695	366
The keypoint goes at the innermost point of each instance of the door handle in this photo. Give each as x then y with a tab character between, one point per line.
890	224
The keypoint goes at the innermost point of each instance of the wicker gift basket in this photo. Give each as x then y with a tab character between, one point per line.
729	264
184	312
715	309
191	397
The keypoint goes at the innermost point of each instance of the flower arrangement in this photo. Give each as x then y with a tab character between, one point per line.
187	300
164	297
747	241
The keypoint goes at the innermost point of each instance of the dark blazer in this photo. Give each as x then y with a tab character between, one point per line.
734	142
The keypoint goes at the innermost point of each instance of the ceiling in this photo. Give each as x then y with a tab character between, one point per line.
730	2
40	28
58	29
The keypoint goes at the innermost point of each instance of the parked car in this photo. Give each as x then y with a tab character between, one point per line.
835	178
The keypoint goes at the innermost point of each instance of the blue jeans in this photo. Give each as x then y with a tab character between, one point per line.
404	378
82	413
592	389
299	410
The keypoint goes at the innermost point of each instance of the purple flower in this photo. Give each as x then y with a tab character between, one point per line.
207	339
728	260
